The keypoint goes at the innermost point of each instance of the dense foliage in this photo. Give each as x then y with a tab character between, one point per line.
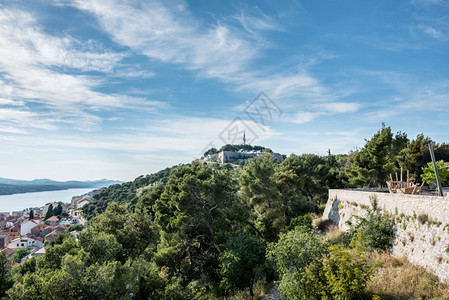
311	268
384	154
205	231
5	274
375	231
243	262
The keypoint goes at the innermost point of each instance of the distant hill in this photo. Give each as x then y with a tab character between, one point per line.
13	186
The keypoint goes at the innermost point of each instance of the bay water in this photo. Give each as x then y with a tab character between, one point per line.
18	202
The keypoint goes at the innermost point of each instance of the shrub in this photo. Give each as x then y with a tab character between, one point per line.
376	229
294	251
310	269
305	220
347	272
341	274
423	218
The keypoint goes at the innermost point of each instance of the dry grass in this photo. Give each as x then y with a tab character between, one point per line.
397	278
333	233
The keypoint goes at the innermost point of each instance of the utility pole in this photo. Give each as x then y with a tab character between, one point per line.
437	176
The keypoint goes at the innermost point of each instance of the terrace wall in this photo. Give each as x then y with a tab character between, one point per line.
423	243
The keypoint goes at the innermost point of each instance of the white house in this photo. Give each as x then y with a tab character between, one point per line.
26	226
26	242
81	203
18	243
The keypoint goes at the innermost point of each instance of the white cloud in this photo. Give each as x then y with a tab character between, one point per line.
10	129
23	118
6	101
170	34
22	43
323	109
305	117
175	133
341	107
429	30
35	69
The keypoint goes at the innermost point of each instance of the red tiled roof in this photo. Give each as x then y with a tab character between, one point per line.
8	252
53	233
39	227
53	219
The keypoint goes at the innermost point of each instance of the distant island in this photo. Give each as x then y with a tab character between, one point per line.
14	186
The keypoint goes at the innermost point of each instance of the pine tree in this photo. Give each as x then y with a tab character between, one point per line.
258	189
58	210
49	212
31	214
413	157
371	165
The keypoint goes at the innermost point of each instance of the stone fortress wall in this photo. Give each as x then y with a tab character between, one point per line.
422	224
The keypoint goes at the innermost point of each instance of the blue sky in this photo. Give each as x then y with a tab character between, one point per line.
92	89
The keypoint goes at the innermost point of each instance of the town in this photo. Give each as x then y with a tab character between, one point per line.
24	233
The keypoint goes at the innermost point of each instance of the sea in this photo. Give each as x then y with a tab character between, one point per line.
18	202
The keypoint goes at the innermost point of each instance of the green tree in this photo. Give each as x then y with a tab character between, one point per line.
412	158
293	253
429	172
258	189
58	210
29	287
5	274
78	280
101	247
243	262
304	181
135	232
146	201
75	227
31	217
49	212
20	253
197	212
371	165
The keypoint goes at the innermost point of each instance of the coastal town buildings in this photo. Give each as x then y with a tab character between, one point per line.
17	230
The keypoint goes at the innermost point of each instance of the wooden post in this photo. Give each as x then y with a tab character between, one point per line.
408	173
414	188
401	178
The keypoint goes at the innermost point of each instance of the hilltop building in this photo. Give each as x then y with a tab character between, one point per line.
231	156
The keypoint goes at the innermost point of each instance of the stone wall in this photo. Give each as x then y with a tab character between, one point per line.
422	224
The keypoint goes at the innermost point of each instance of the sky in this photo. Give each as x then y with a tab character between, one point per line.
94	89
